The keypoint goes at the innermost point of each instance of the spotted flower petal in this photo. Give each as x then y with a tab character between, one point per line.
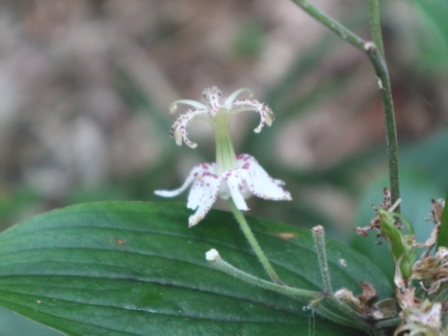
248	179
203	195
191	177
423	318
179	129
212	98
257	180
210	106
234	184
174	105
266	114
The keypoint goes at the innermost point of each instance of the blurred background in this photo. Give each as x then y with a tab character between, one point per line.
85	88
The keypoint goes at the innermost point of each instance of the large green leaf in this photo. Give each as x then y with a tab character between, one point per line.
136	269
430	29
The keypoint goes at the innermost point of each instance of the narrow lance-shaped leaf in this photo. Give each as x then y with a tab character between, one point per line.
442	237
402	251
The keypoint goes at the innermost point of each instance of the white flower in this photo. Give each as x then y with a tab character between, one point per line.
209	107
421	319
248	179
235	177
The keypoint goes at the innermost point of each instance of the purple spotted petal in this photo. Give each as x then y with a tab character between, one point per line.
203	195
197	170
257	180
211	97
234	183
179	128
212	103
266	114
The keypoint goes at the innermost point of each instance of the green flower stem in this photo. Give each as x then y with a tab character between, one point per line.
225	154
282	289
329	313
378	59
388	323
253	243
376	56
346	310
347	316
226	160
375	25
319	243
391	130
331	24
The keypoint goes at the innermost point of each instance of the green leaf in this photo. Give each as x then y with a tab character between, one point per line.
430	157
130	268
14	325
430	29
442	236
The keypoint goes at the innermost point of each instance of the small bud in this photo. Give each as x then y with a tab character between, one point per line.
173	108
369	46
212	255
318	229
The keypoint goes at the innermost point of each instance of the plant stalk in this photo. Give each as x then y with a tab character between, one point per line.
253	243
330	314
318	233
282	289
375	26
347	316
386	92
375	53
319	244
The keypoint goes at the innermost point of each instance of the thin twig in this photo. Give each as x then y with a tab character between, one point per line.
375	56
